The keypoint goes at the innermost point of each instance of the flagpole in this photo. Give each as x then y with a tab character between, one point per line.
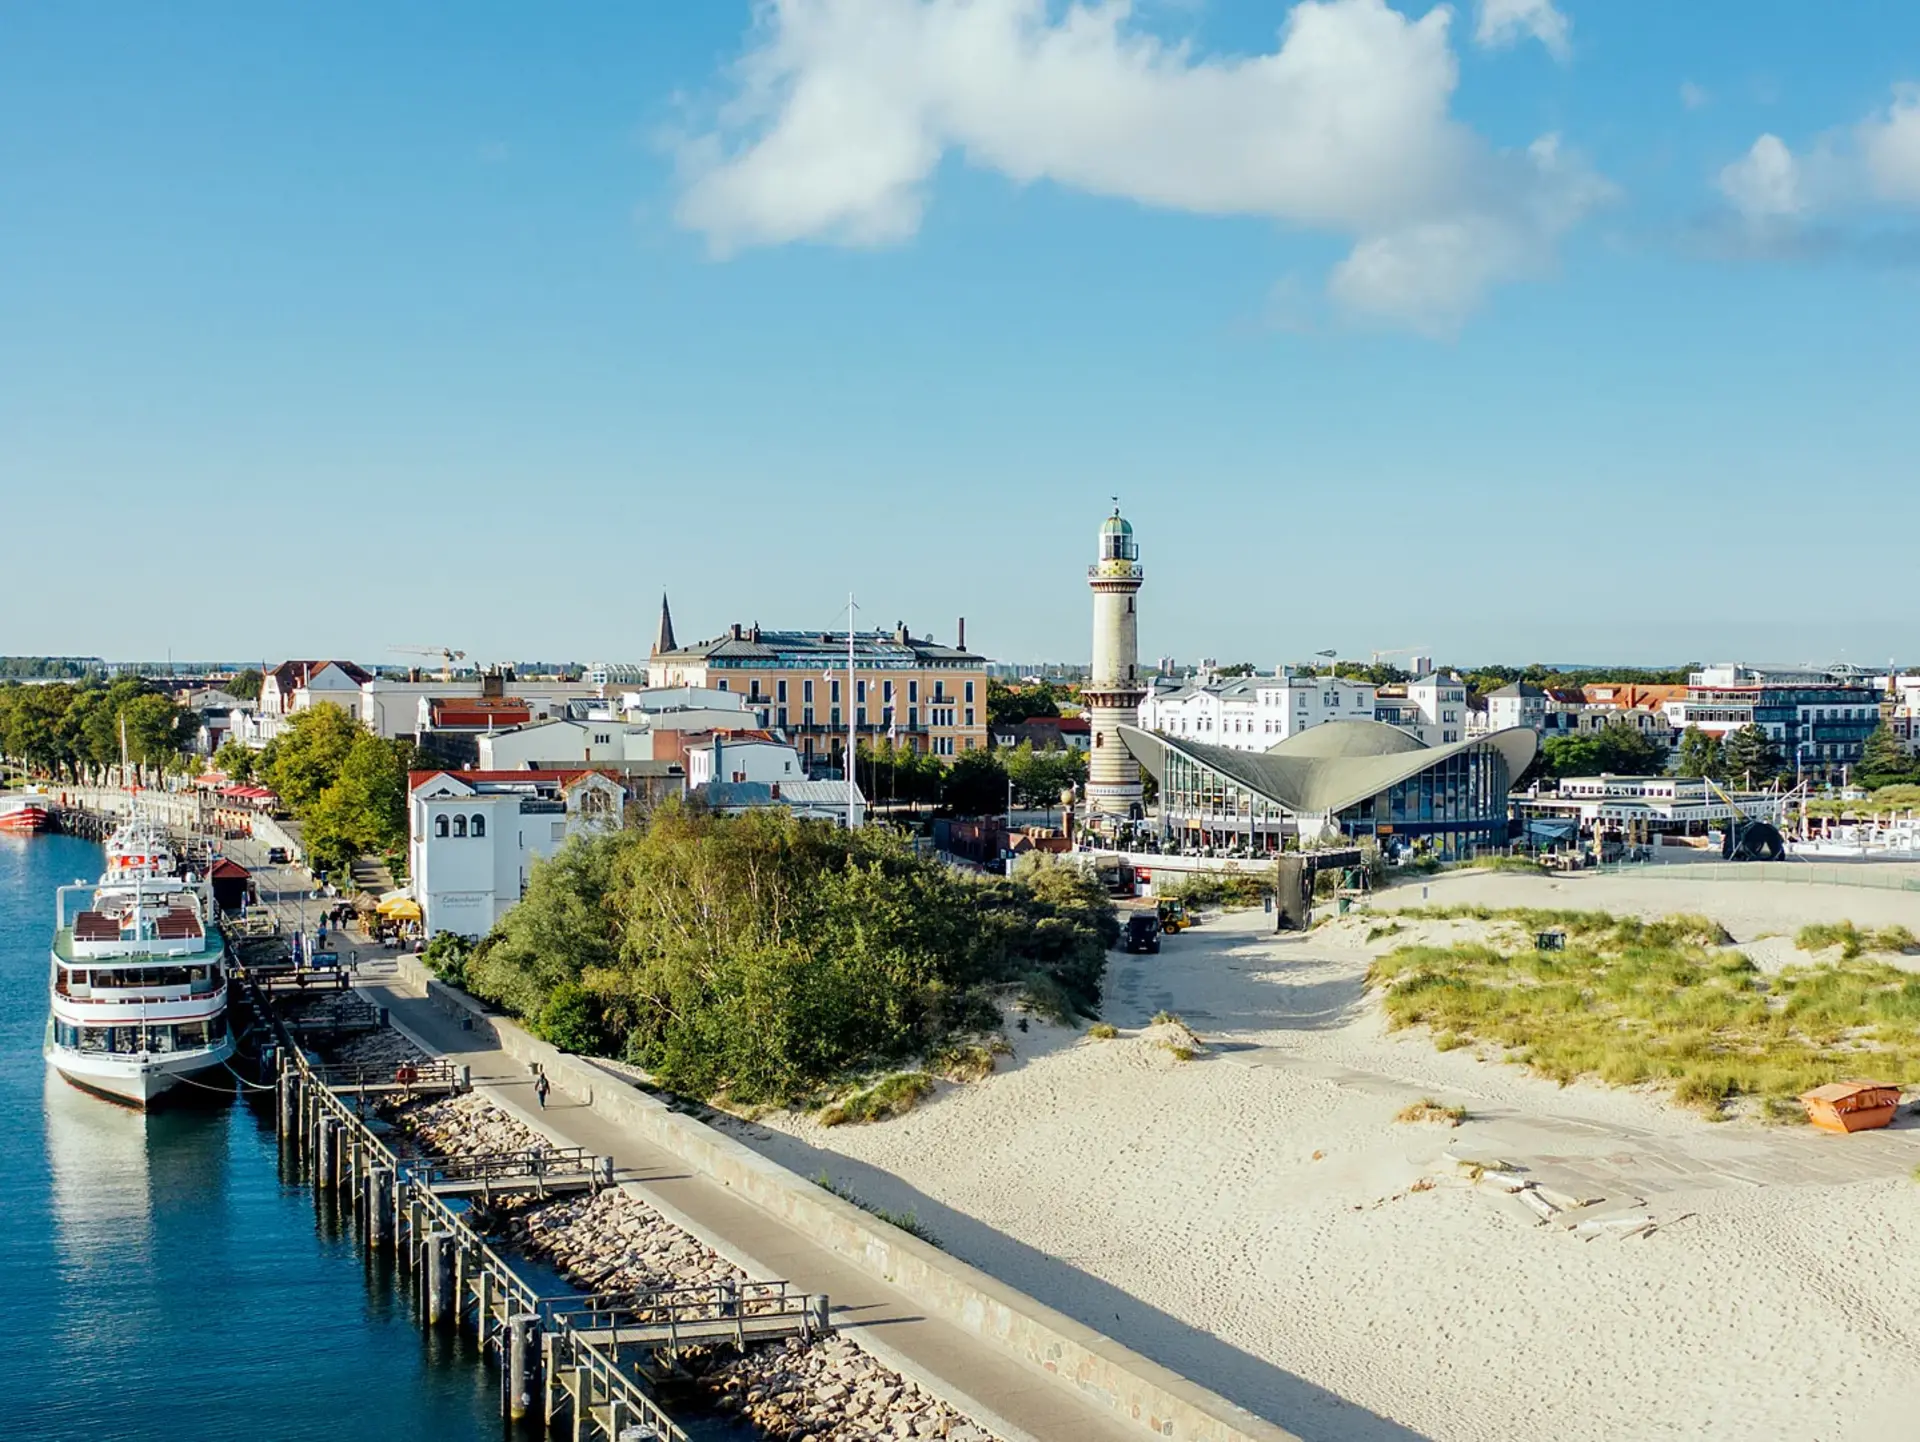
852	731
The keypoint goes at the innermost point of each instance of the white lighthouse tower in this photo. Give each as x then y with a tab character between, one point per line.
1113	692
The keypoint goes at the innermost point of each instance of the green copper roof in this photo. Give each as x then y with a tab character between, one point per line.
1116	525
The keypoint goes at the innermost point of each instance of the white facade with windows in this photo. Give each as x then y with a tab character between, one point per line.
1253	713
547	744
473	837
762	762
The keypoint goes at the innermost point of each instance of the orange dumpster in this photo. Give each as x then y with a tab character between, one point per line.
1850	1106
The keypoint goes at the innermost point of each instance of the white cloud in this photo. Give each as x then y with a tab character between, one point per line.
1844	175
1764	184
844	110
1694	97
1890	146
1507	22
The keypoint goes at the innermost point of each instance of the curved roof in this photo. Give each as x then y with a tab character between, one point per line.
1318	774
1116	524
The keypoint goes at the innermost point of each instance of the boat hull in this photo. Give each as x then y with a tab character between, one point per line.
25	818
135	1081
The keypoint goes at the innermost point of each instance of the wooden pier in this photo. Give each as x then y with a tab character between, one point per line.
578	1362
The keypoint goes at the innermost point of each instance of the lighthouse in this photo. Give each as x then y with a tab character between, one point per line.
1113	692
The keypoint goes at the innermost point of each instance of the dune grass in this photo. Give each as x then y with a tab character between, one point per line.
1429	1110
1630	1002
1852	941
891	1096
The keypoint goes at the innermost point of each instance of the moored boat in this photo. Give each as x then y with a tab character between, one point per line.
138	991
26	811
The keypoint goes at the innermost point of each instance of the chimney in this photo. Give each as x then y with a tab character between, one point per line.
900	632
962	643
736	630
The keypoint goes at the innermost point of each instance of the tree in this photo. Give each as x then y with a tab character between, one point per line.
245	685
1885	761
1702	755
236	761
1617	748
1007	705
306	757
1750	757
899	773
1238	668
975	785
364	811
1037	776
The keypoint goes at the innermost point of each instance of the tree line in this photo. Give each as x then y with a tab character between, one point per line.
761	957
75	731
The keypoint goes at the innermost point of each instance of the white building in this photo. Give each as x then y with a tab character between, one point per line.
1253	713
295	685
758	760
562	743
473	837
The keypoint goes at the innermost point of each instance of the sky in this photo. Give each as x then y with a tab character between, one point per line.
1514	329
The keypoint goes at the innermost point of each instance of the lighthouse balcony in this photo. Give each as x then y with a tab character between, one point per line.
1116	571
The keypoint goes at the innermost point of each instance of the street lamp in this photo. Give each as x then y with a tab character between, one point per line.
1330	655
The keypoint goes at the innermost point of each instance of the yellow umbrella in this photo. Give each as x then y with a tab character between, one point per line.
400	908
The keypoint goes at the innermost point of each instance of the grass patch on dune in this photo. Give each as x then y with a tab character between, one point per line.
1103	1031
1629	1003
891	1096
1852	941
1429	1110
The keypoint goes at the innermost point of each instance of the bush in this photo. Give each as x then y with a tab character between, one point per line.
1103	1031
1229	889
1429	1110
571	1020
446	957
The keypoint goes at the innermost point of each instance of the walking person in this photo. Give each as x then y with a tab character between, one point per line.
541	1086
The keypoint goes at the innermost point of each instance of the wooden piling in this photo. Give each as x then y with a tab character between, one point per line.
523	1365
439	1268
582	1405
379	1188
324	1155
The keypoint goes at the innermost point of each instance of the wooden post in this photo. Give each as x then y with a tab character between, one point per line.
582	1405
324	1155
459	1282
523	1365
439	1275
549	1379
483	1307
379	1208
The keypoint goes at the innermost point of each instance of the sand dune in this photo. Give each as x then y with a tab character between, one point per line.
1256	1218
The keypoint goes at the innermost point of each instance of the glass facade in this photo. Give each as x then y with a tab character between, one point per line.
1452	807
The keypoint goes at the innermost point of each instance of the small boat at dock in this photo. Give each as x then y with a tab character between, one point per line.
26	811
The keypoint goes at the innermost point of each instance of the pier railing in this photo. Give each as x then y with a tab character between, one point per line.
578	1357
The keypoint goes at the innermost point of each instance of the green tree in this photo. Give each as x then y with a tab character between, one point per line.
1750	757
1885	761
236	761
363	812
1007	705
1038	777
306	757
1701	754
245	685
1616	748
975	785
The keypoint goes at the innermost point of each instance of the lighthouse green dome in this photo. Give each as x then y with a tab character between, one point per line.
1116	525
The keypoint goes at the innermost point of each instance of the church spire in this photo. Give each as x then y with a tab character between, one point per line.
664	641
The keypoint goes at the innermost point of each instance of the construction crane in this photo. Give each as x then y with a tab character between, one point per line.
446	654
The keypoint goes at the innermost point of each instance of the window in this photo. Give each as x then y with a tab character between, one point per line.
603	738
559	832
913	717
459	826
913	691
886	691
969	690
780	690
969	711
723	684
836	718
806	691
806	712
439	826
835	698
479	826
783	710
860	691
860	715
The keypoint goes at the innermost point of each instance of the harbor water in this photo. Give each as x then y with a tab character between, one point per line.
162	1281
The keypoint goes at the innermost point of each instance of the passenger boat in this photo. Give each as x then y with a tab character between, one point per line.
27	810
139	846
139	990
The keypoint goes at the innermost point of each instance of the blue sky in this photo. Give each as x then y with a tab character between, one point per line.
1520	330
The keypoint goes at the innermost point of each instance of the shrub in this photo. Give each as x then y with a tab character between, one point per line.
1103	1031
963	1061
446	957
571	1020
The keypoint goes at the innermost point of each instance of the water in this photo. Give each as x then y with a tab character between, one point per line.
158	1279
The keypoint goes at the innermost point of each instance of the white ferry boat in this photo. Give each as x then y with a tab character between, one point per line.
139	846
139	991
26	810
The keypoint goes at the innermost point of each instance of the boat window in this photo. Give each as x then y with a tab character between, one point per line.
459	826
479	826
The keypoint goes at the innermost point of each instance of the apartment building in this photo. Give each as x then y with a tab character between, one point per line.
921	693
1251	713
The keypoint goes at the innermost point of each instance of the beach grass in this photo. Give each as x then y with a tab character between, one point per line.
1429	1110
1631	1003
1852	941
891	1096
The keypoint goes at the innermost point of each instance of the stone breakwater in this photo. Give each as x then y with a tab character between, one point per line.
828	1389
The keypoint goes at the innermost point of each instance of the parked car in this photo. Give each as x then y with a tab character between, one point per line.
1142	933
276	856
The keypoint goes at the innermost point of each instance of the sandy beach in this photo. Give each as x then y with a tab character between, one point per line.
1256	1219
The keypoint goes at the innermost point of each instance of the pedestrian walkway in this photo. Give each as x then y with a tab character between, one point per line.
994	1388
